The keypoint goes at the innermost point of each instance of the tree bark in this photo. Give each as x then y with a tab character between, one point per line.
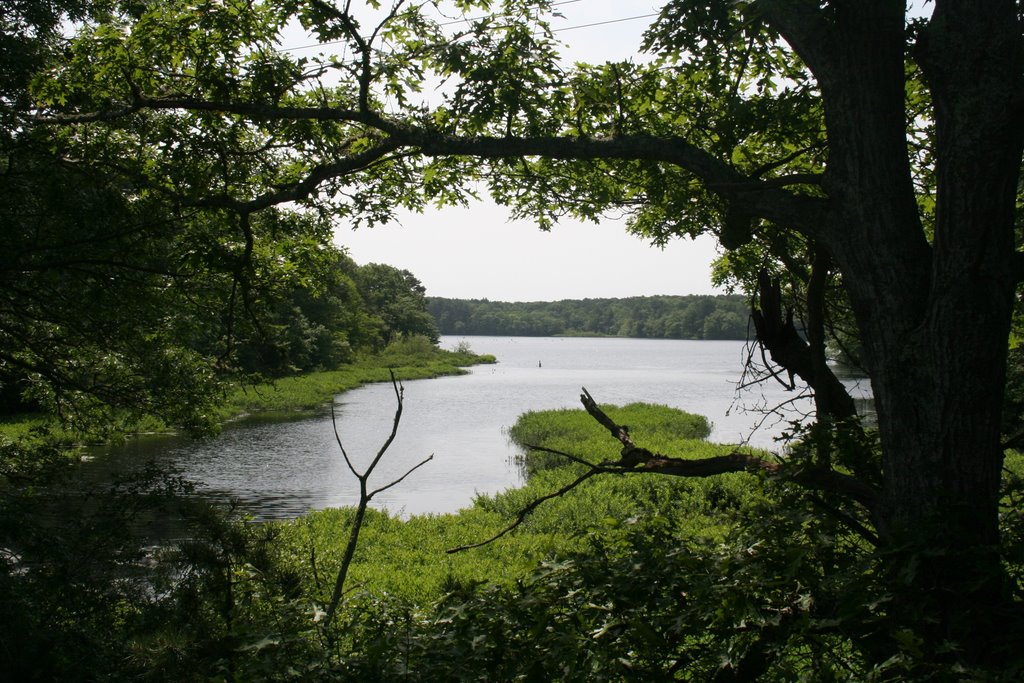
934	318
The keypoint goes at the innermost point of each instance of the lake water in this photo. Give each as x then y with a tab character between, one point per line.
279	470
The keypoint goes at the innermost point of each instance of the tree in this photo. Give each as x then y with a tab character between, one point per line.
115	300
398	299
676	317
724	325
849	144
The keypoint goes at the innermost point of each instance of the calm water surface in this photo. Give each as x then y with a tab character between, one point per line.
280	470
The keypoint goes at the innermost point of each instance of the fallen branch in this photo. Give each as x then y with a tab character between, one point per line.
641	459
594	469
634	459
525	512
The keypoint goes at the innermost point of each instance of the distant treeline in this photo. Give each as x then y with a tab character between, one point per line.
651	317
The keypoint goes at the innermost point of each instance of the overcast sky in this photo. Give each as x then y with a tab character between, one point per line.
478	253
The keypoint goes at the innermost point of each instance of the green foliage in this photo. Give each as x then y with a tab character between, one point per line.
784	593
643	577
78	582
650	577
638	603
35	434
654	317
87	325
406	559
123	299
1011	517
142	265
324	313
1013	401
398	299
124	311
573	431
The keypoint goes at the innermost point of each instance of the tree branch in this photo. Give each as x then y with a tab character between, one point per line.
777	333
398	481
365	496
643	460
766	199
524	513
804	27
305	187
753	184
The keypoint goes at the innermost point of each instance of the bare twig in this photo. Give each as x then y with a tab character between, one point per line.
412	469
570	456
599	468
524	513
365	496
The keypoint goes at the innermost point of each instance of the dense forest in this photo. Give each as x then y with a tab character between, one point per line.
286	325
352	308
649	317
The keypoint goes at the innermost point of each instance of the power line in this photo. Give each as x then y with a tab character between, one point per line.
604	23
468	19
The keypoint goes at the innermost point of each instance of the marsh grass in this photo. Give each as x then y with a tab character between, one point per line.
657	427
407	559
285	396
22	426
407	358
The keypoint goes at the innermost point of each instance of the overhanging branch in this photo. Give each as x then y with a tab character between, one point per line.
777	333
764	198
525	512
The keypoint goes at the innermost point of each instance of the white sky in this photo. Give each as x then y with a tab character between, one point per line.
478	253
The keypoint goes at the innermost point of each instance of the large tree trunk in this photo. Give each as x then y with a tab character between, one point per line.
971	54
934	318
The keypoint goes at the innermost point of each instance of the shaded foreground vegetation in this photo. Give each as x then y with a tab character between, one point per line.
243	600
646	317
629	577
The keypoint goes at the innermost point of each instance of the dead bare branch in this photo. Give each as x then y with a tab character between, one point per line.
598	468
412	469
365	496
399	398
525	512
814	477
636	460
573	458
337	438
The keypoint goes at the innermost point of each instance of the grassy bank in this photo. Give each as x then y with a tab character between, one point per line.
409	359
